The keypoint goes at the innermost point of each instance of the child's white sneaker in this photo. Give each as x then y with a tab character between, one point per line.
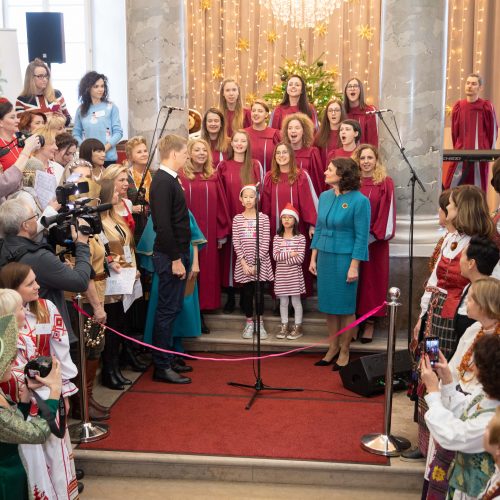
263	333
248	331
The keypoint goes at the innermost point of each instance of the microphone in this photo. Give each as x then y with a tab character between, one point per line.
173	108
377	111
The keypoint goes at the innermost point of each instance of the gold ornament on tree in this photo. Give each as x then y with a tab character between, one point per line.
364	31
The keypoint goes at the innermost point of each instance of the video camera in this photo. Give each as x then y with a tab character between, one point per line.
60	225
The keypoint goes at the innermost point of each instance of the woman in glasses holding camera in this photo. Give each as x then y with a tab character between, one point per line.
43	333
16	481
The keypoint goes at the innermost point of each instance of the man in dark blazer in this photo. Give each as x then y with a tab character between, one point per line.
170	254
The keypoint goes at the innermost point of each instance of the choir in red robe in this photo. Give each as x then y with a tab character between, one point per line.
262	143
230	178
374	273
207	201
217	156
309	159
369	132
339	153
473	126
333	144
282	110
229	115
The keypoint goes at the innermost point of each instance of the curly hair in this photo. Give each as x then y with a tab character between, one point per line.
323	135
307	127
380	172
208	168
472	211
132	143
222	141
487	361
347	103
86	83
348	171
303	104
293	173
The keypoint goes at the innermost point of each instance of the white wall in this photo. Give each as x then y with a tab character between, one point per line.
109	50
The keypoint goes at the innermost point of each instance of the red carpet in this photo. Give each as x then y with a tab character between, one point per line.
208	417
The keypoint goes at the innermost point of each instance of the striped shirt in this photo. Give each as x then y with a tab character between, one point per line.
289	278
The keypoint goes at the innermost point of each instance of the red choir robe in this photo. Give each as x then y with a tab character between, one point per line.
262	143
339	153
374	273
229	175
229	115
302	195
217	156
473	126
207	201
309	159
333	144
369	132
282	111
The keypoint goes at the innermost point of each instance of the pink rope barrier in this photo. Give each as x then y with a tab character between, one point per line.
248	358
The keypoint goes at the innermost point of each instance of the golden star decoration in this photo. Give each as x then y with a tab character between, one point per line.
217	73
243	44
333	73
449	109
438	474
364	31
320	29
250	98
272	36
261	75
205	4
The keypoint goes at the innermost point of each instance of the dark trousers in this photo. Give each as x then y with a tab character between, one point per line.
170	300
247	296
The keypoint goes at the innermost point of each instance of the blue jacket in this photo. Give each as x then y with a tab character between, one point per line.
102	122
343	224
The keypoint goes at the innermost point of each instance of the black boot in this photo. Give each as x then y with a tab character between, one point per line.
110	380
129	358
109	361
229	307
204	327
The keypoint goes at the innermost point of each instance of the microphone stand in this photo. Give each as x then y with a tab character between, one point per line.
259	385
413	180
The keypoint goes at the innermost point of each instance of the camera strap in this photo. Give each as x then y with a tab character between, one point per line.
57	429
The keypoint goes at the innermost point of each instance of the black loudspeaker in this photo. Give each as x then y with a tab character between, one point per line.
366	375
46	36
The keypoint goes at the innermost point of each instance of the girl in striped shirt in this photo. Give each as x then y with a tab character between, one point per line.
289	248
245	270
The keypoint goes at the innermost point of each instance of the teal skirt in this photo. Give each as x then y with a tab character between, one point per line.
335	295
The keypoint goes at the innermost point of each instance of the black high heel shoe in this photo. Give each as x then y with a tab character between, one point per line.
324	362
129	358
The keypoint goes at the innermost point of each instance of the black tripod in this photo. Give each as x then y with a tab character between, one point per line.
259	384
413	179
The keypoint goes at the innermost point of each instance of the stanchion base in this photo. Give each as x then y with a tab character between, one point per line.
87	432
381	444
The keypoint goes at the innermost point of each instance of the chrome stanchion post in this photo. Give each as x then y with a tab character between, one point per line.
85	431
386	444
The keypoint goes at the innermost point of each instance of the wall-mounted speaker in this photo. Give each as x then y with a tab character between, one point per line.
46	36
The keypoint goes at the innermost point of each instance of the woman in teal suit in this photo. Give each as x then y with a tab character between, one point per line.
340	242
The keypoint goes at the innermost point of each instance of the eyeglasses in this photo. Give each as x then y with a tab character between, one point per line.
36	217
353	86
45	76
282	153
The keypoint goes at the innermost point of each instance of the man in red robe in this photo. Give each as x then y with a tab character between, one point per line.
473	126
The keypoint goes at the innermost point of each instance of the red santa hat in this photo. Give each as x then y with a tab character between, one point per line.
253	187
290	210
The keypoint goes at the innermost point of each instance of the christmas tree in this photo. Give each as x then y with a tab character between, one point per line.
320	82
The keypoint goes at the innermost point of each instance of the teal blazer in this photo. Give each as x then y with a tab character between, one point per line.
343	224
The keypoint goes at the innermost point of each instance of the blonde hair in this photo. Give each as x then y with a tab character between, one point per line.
111	172
55	122
275	169
49	134
132	143
10	301
380	172
246	173
486	294
307	127
29	89
170	143
237	122
72	166
208	168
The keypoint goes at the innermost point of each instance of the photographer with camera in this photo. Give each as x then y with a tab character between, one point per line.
15	481
13	157
18	228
